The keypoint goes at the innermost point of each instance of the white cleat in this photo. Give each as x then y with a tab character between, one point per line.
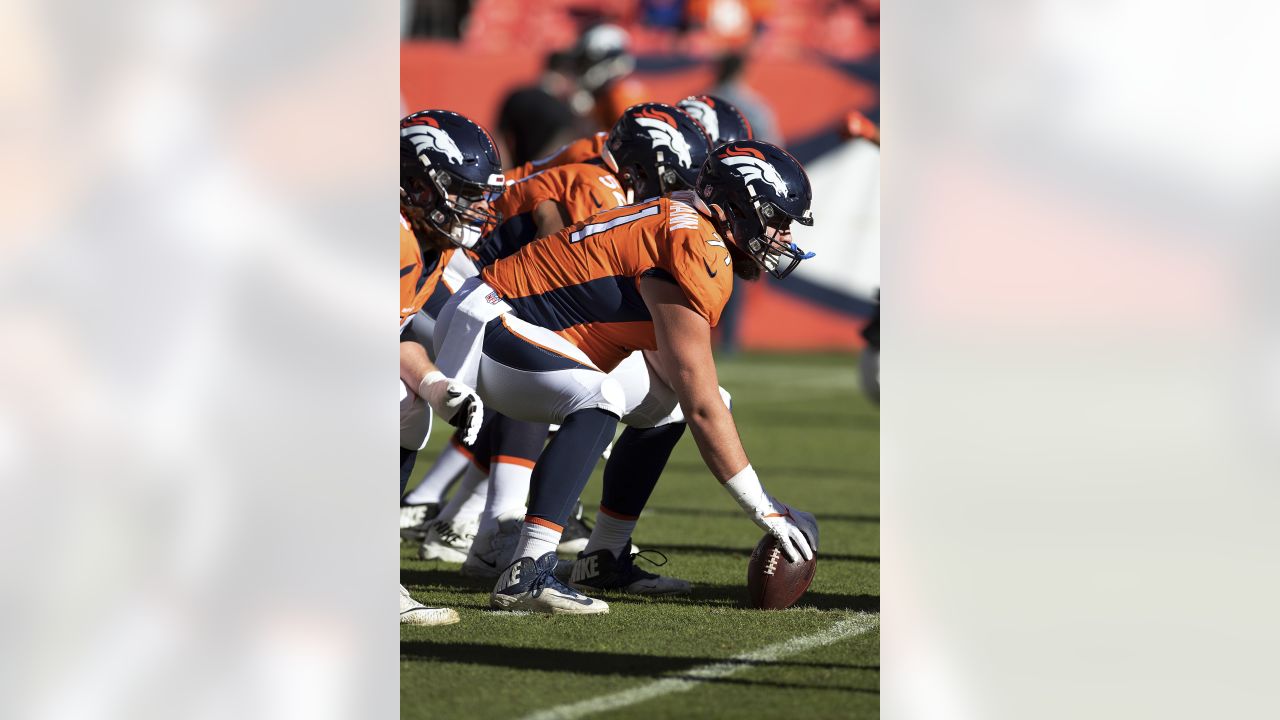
448	541
415	519
494	547
413	612
532	586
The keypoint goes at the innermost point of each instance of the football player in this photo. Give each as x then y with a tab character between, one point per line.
652	150
449	173
539	332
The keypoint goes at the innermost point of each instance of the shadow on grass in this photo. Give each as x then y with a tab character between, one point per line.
449	579
735	596
734	513
745	552
594	662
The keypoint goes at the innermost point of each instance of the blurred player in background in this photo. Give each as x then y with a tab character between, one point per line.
731	85
603	65
857	125
541	329
535	119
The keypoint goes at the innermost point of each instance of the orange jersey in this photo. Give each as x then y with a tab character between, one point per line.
582	189
410	271
583	282
580	150
418	279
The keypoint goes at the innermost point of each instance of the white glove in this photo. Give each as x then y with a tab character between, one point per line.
458	404
795	530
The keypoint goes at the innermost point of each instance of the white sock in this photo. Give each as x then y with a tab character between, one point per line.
610	533
468	500
447	467
536	540
508	491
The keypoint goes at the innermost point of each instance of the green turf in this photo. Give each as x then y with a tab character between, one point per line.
815	442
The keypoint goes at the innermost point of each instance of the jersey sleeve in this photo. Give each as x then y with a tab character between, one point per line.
591	190
524	195
697	263
410	272
580	150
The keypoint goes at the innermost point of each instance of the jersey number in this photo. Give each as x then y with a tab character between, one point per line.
611	182
587	231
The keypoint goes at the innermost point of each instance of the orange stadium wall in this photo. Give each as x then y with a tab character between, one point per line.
808	96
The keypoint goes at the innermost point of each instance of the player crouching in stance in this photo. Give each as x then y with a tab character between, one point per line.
449	172
538	333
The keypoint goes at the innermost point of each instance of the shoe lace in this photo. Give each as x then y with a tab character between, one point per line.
447	533
642	555
627	564
547	578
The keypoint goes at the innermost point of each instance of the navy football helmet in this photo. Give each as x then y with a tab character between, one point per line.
720	118
762	190
450	172
655	149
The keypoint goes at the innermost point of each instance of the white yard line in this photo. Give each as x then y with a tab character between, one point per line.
688	680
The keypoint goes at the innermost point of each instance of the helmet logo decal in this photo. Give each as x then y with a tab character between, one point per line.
755	169
665	133
701	110
428	137
753	166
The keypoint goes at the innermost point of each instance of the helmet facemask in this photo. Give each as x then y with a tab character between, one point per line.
764	233
457	208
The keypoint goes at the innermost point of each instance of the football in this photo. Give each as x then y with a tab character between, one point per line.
773	582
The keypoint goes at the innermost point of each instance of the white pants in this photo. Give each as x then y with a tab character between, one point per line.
530	373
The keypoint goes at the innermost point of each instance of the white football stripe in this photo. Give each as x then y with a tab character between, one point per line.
589	230
689	679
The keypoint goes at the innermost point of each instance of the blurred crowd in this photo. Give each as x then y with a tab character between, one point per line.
843	29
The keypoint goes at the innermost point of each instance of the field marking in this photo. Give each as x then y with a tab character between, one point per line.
688	680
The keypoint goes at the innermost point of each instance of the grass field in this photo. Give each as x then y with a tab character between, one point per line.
815	442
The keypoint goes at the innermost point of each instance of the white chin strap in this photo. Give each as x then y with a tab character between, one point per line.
465	235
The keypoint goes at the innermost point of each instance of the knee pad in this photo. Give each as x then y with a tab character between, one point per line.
613	398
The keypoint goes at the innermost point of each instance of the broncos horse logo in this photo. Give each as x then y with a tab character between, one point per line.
701	111
753	166
430	137
664	133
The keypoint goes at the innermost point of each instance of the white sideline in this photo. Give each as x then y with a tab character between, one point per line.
848	627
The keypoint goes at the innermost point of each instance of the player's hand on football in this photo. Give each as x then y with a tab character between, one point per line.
795	530
454	401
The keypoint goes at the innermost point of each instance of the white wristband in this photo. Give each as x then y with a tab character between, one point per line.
745	487
432	378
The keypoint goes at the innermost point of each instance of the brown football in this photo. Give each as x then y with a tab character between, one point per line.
774	582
